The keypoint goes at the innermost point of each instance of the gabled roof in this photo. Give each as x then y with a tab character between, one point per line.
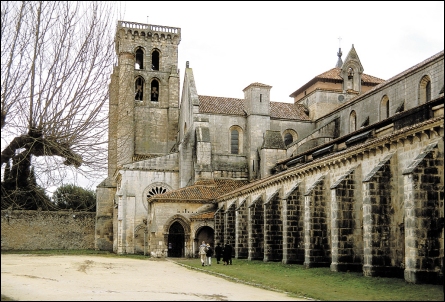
232	106
333	75
202	191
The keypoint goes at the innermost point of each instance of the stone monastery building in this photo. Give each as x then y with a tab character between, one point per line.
349	176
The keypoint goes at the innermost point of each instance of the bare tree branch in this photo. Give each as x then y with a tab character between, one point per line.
56	58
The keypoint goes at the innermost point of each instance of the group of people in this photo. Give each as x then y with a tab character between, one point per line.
206	253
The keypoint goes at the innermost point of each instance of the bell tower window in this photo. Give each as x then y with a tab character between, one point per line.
139	89
154	95
139	59
155	60
350	73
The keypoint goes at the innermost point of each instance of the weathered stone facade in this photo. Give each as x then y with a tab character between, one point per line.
349	176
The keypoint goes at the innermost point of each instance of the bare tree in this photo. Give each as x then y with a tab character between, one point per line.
56	58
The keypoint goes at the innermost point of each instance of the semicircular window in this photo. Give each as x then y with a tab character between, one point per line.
155	191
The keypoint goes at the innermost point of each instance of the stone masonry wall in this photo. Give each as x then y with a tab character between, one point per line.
295	228
256	244
44	230
242	235
273	231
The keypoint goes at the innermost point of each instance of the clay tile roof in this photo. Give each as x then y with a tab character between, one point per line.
222	105
208	215
288	111
334	75
201	191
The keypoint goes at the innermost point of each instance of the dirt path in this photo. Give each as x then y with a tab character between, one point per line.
96	278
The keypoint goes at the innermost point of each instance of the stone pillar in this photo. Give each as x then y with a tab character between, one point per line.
285	230
256	232
241	232
307	231
335	240
424	218
273	232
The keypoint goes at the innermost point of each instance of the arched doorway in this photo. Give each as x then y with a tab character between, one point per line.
206	234
176	240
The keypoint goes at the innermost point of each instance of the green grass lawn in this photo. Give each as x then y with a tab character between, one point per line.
321	283
295	279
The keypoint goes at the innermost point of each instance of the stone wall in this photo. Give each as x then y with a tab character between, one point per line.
44	230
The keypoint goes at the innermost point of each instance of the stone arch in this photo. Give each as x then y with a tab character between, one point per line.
203	232
182	220
235	139
424	90
177	236
152	190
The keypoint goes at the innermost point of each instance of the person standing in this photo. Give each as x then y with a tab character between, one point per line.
203	252
209	254
227	254
218	252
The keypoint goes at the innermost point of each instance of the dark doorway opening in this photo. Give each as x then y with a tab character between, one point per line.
206	234
176	240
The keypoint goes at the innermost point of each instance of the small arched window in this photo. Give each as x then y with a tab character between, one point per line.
289	136
154	91
384	108
139	59
425	90
234	141
352	121
139	89
155	60
288	139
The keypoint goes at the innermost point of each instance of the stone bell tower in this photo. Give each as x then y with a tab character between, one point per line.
144	93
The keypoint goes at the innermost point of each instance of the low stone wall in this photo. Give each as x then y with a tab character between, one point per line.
45	230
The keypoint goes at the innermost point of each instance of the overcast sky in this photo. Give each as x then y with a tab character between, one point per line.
285	44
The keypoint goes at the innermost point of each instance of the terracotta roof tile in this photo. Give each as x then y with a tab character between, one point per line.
201	191
334	75
288	111
222	105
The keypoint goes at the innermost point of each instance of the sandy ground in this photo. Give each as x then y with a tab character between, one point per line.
96	278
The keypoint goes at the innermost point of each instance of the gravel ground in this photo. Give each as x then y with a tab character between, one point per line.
95	278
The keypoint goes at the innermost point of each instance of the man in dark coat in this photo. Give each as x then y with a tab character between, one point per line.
227	254
218	252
